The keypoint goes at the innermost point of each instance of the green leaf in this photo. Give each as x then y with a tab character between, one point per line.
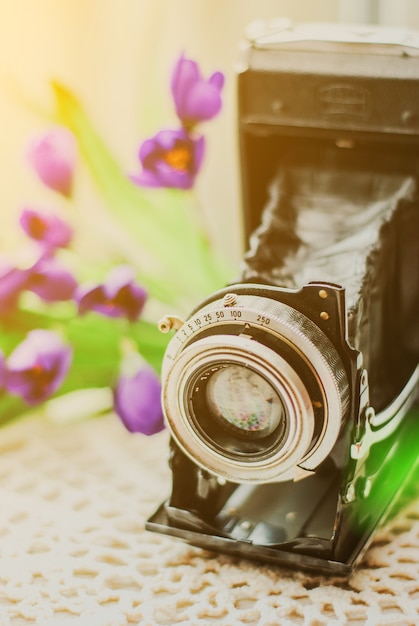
11	407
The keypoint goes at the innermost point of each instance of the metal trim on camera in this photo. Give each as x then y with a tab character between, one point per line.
310	382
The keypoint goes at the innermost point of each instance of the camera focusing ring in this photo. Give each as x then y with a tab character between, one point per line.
185	427
251	335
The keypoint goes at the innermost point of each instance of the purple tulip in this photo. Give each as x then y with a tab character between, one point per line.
48	229
172	158
137	401
12	282
118	296
50	281
53	157
196	99
38	366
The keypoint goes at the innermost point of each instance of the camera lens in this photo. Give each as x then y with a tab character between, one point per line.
244	400
254	392
232	407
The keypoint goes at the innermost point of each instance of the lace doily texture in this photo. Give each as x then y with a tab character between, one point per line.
74	549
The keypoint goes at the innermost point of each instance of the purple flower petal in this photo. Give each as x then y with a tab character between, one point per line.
12	282
118	296
48	229
146	178
137	401
50	281
217	80
199	152
185	73
52	156
38	366
149	147
203	103
118	278
196	99
171	177
172	158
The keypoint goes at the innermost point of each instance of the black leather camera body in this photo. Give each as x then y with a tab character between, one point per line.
290	395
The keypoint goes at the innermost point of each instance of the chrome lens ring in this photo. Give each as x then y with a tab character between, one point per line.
266	466
262	322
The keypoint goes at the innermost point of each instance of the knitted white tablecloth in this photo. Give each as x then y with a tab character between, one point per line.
74	500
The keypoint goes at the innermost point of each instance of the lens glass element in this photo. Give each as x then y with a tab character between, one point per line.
244	400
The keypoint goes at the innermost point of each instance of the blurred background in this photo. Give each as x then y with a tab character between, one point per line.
117	57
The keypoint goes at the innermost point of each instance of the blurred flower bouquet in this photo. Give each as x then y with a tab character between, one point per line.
81	330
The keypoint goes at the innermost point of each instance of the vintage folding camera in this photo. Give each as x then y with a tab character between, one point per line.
290	395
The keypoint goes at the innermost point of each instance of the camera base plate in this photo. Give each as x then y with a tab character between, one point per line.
312	549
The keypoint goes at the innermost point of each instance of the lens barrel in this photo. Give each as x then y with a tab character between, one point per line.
254	392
